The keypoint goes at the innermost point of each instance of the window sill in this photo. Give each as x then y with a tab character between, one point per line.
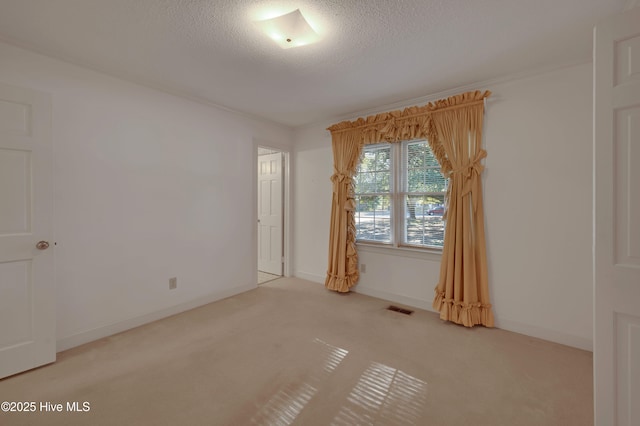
416	253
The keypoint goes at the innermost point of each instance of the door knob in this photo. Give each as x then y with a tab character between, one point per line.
42	245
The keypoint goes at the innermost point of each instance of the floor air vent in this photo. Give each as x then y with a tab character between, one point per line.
399	309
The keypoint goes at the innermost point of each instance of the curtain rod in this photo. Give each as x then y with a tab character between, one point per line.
466	104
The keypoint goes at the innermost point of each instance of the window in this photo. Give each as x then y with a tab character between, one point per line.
399	194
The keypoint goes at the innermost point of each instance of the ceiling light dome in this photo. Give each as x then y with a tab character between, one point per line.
289	30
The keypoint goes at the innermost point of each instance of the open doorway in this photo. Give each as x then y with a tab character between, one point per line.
271	205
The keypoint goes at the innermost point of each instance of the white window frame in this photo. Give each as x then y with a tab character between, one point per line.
398	191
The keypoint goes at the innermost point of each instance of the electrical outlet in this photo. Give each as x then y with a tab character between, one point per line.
173	283
363	268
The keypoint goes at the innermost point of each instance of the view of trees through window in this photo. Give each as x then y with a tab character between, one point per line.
373	194
400	190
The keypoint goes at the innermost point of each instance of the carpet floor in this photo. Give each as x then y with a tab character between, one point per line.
265	277
291	352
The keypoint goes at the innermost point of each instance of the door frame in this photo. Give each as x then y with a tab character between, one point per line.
286	210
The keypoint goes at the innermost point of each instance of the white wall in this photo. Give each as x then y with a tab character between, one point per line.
313	166
538	208
148	186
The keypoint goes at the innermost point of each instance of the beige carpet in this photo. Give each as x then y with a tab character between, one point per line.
291	352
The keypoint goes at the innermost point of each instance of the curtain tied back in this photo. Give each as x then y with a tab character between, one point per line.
453	129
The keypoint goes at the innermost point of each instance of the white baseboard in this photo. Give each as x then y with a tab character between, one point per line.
545	334
310	277
403	300
87	336
504	324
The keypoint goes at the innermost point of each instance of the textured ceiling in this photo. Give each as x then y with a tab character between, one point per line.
372	52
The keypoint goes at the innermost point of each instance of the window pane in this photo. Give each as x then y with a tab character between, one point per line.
423	172
368	182
365	182
423	220
373	218
368	161
376	158
434	181
374	171
383	158
420	220
416	180
419	155
382	182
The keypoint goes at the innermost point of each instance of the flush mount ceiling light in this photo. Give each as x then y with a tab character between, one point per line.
289	30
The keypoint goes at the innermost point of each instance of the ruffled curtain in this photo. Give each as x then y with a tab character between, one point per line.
453	129
342	272
462	293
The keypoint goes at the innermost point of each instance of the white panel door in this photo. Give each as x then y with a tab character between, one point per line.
270	213
27	294
617	220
